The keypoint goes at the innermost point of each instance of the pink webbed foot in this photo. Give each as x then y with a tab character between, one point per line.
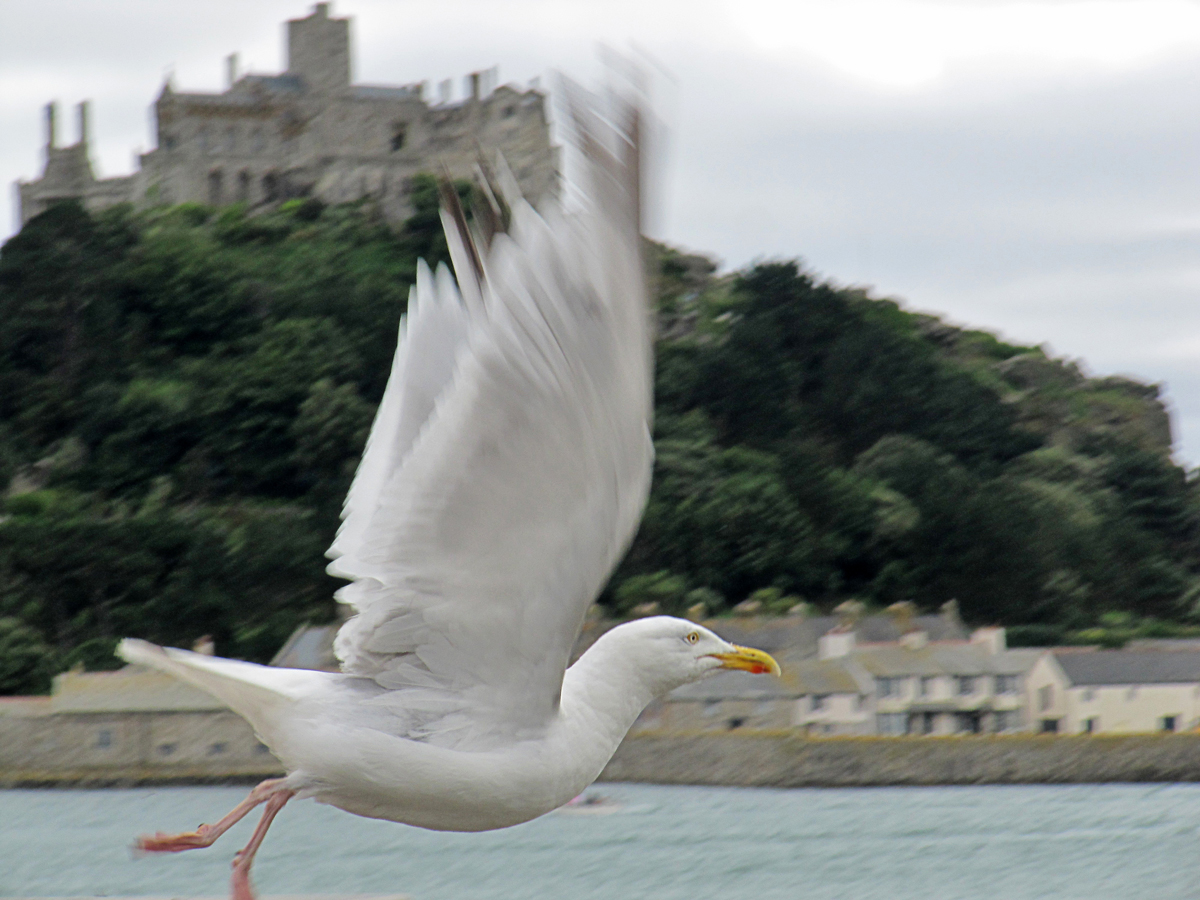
239	882
205	835
173	843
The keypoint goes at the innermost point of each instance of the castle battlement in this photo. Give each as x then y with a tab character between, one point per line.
308	131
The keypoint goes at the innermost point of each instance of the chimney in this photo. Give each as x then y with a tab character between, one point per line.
51	127
82	110
991	639
914	640
904	615
231	69
835	644
321	10
848	613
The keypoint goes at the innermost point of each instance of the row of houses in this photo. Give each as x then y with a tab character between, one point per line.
896	675
914	683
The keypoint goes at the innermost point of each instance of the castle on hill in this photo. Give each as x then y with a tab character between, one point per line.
307	132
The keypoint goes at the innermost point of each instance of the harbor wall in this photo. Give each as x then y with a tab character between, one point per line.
782	759
200	747
103	748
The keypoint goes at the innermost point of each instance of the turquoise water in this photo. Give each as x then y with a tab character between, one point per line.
1007	843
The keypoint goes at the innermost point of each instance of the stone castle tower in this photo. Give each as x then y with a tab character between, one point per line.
309	131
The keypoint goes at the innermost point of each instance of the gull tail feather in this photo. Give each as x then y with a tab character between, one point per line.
256	693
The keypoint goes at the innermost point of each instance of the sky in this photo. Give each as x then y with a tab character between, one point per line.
1032	168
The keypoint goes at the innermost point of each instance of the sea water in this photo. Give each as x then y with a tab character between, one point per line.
1090	842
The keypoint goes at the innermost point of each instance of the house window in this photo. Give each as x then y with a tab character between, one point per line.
1168	723
216	749
891	723
820	701
1049	726
166	749
926	685
735	723
1091	725
968	723
270	185
890	687
1045	697
214	188
399	132
103	738
243	187
1006	684
966	685
928	722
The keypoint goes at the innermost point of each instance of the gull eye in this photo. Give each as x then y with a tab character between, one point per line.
692	637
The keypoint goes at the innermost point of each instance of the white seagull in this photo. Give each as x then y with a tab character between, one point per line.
505	475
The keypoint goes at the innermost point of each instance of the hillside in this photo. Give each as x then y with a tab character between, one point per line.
184	394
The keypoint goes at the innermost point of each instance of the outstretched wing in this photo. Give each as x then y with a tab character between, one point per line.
509	463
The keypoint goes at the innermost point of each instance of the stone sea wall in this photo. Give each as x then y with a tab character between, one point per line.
780	759
212	747
192	747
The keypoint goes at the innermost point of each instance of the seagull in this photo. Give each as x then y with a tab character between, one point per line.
503	478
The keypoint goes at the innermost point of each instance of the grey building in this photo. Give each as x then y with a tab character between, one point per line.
308	131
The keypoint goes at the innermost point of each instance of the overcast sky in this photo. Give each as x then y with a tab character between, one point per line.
1028	167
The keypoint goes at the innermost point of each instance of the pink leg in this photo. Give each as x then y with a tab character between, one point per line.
239	884
206	834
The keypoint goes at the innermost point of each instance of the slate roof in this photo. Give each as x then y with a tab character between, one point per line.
943	659
1103	667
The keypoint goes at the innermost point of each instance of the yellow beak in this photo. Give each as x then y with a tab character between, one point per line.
748	659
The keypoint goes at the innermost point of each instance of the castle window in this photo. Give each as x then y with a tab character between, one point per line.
398	134
509	112
243	187
214	188
104	738
270	185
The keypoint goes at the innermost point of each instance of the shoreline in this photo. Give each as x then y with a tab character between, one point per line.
777	759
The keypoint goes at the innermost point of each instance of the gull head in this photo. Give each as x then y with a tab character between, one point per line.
669	652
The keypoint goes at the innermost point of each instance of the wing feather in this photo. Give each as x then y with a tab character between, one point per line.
495	503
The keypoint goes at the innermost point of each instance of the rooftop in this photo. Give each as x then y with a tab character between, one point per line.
1103	667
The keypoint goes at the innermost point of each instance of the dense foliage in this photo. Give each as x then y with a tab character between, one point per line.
184	394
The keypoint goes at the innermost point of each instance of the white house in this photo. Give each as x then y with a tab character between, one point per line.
1115	691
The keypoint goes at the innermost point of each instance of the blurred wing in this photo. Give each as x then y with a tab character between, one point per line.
508	465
